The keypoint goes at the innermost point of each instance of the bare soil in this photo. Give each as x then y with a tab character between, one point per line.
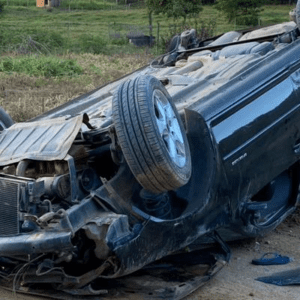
237	279
24	96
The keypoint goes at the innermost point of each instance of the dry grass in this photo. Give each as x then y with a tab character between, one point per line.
25	97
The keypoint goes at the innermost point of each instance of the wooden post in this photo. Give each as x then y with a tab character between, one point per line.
157	38
150	25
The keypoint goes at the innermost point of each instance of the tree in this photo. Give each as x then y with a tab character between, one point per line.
172	8
244	12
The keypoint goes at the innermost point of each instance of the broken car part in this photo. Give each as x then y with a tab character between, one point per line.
291	277
204	142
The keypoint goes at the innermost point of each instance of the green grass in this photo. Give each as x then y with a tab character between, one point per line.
88	5
25	96
97	31
274	14
31	30
73	4
47	66
76	31
50	56
21	3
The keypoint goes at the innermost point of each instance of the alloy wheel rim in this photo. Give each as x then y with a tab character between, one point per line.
169	128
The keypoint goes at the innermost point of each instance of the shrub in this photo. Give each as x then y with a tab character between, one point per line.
49	39
90	44
31	41
2	4
47	66
40	43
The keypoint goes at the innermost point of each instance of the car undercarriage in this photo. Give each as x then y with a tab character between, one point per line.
139	176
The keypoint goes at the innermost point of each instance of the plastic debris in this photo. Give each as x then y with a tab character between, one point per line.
291	277
272	259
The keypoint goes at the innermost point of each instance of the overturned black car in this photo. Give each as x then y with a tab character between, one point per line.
201	146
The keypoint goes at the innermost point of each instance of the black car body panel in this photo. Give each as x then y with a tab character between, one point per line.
71	200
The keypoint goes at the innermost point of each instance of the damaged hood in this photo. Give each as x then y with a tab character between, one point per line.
41	140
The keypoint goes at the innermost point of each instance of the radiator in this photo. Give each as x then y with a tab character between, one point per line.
9	207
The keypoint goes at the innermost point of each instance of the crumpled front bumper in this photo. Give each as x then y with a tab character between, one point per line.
41	242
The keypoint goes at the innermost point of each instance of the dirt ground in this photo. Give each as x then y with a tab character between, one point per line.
236	281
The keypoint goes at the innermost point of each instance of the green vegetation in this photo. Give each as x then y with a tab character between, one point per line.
20	3
242	12
2	4
174	8
60	31
25	96
87	5
48	56
23	29
274	14
47	66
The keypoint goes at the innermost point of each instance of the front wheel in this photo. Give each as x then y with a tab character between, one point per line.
151	135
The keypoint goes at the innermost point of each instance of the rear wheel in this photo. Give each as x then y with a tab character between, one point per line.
175	42
5	119
151	135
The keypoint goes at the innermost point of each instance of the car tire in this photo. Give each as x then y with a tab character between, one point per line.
174	43
5	119
151	135
297	12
